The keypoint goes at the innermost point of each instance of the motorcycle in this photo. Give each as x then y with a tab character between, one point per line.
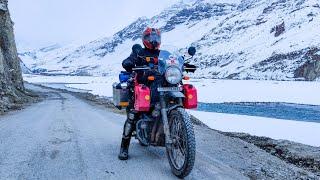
160	105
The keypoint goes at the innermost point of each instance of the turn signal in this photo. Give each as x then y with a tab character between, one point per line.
147	97
186	78
124	104
151	78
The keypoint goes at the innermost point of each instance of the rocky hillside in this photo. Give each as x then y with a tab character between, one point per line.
248	39
12	91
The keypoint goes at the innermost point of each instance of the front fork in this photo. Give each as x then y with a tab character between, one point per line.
164	113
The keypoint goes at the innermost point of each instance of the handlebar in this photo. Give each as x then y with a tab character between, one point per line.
140	68
190	68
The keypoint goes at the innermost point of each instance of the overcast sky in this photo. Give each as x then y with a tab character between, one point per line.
40	23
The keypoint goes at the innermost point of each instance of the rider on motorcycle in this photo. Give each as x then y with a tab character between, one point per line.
151	40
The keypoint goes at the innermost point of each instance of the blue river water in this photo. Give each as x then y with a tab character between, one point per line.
297	112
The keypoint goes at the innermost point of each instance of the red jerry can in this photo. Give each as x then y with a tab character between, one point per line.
142	98
191	98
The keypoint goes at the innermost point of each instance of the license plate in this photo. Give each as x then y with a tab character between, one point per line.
169	89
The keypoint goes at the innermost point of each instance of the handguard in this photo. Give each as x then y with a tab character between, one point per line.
190	68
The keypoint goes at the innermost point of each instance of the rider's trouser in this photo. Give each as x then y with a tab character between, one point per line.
128	127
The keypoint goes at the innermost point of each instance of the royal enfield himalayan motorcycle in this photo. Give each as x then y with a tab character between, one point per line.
160	105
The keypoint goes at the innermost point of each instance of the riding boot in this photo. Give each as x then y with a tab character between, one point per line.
126	137
124	149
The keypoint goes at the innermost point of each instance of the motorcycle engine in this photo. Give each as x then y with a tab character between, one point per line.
143	131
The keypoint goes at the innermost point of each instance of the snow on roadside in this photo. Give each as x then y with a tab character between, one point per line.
219	91
95	85
302	132
209	90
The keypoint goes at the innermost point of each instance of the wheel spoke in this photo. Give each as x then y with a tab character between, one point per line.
181	153
182	149
178	151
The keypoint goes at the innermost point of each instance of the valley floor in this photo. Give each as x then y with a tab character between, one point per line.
230	91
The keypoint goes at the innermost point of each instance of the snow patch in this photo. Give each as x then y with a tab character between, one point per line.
302	132
220	91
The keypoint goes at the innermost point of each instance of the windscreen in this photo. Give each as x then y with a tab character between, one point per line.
167	59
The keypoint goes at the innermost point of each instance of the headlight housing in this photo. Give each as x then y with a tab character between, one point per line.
173	75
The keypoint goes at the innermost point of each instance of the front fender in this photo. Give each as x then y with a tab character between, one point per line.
175	95
174	107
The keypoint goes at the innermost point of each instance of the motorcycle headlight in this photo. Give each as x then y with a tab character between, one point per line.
173	75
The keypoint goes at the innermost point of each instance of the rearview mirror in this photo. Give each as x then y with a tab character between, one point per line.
192	51
136	49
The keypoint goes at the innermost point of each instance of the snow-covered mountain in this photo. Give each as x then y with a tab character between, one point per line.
249	39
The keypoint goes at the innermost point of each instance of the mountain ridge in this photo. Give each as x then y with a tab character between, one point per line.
254	39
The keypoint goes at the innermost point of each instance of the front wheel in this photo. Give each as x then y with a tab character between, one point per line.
181	153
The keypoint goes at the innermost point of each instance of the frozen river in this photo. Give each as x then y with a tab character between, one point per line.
286	111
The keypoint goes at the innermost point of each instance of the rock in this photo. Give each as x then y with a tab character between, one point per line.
310	70
11	82
3	6
278	29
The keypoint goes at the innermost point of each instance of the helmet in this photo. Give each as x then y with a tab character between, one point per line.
151	38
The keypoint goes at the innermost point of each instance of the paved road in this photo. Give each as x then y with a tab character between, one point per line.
64	137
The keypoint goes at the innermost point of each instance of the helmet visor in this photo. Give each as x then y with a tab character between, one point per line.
153	37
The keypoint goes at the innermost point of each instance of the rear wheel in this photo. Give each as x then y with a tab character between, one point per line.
181	153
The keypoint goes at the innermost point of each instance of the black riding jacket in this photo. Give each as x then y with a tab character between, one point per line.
140	60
